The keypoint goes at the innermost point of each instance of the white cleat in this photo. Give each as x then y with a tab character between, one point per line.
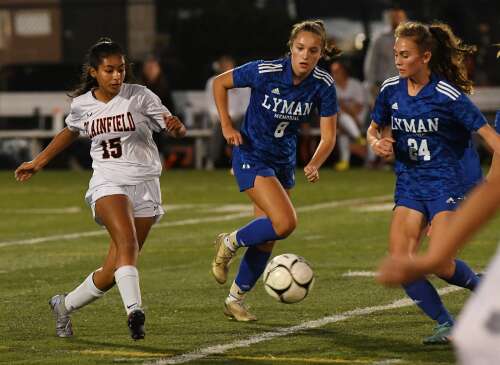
222	259
63	320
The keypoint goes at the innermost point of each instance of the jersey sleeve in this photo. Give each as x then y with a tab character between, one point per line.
327	105
153	108
467	114
381	113
74	120
246	75
497	122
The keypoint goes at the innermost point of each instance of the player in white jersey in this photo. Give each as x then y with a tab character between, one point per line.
124	192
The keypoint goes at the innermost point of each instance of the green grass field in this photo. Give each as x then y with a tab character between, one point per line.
49	244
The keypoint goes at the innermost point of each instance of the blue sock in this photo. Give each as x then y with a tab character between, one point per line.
252	266
257	232
463	276
426	297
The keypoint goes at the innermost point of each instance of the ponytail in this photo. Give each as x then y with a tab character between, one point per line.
448	56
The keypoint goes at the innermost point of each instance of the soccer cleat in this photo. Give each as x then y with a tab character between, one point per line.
361	141
222	259
237	310
342	166
441	335
63	321
136	320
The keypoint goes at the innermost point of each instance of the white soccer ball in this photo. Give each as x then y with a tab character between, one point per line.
288	278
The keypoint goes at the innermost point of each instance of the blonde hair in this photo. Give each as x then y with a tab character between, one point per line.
448	51
316	27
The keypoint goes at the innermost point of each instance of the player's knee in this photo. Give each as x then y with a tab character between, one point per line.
266	247
286	225
128	247
445	270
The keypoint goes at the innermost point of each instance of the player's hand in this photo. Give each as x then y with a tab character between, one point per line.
232	136
312	173
383	147
396	271
26	170
174	126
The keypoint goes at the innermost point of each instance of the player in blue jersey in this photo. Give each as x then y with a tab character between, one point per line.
431	120
284	92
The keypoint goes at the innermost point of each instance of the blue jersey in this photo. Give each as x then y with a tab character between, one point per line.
432	131
277	107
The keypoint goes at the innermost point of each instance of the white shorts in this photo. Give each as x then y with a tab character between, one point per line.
145	197
476	335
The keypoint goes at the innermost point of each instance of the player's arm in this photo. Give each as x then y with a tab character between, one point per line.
380	143
174	126
222	84
62	140
328	128
474	212
492	139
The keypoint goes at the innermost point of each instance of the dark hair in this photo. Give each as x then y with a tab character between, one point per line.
317	27
448	51
104	47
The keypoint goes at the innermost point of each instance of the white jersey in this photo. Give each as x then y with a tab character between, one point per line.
123	151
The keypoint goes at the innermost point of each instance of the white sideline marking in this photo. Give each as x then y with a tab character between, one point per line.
359	273
285	331
67	210
384	207
388	361
185	222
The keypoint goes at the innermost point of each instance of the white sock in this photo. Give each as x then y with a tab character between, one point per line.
231	242
344	148
82	295
235	293
348	124
127	280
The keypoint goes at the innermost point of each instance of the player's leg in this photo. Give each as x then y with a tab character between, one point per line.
455	272
407	225
116	213
279	221
252	266
350	130
477	332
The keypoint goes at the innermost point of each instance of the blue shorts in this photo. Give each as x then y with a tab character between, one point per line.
429	208
246	170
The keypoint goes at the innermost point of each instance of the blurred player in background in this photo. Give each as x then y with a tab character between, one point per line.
283	93
379	62
237	100
353	105
124	192
431	120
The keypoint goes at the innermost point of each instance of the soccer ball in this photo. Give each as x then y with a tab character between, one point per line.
288	278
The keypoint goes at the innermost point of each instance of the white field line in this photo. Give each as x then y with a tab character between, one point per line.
192	221
285	331
67	210
359	274
383	207
388	361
